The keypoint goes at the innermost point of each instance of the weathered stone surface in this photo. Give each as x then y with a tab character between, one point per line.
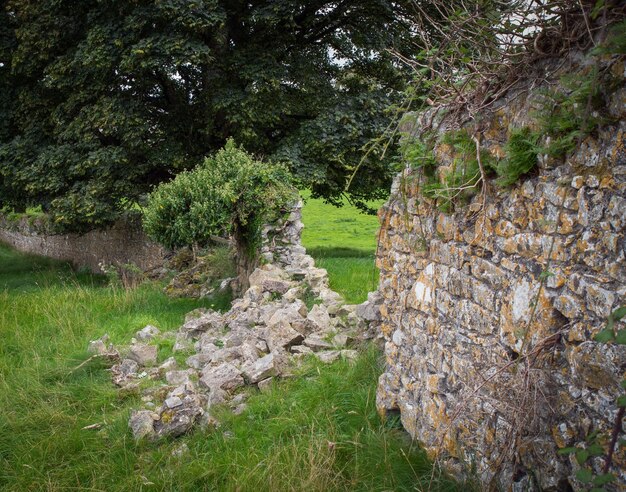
265	385
209	321
328	356
225	376
198	361
179	377
342	340
143	354
349	354
182	344
147	333
281	335
276	286
263	368
319	319
370	309
300	350
168	364
295	313
173	402
124	372
267	273
255	342
141	423
100	346
531	276
181	410
316	343
331	299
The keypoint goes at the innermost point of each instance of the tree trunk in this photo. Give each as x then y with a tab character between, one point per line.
247	260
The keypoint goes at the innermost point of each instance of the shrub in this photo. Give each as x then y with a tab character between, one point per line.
229	194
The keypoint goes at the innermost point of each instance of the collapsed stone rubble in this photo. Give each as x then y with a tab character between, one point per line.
261	338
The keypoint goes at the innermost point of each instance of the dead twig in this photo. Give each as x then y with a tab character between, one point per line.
111	356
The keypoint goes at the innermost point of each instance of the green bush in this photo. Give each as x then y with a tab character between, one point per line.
230	193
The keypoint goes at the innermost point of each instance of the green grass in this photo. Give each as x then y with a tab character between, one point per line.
316	431
343	241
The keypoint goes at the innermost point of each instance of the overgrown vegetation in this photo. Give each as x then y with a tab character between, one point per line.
563	117
202	274
574	110
473	54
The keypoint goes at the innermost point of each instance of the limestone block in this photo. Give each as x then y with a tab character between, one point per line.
143	354
225	376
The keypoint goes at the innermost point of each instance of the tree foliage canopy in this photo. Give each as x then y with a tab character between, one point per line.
103	99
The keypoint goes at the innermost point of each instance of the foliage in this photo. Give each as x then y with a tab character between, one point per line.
106	99
451	185
204	272
472	54
343	134
615	43
521	156
229	193
574	111
316	431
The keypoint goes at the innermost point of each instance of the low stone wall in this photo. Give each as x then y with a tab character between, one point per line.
489	313
124	242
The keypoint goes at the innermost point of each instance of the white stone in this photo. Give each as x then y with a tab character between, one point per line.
173	402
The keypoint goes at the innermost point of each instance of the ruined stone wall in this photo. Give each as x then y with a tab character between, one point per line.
124	242
489	312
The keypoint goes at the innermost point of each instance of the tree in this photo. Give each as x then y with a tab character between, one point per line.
228	194
113	97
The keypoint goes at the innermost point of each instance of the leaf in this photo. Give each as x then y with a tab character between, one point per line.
596	9
581	456
595	450
569	450
603	479
605	335
620	337
584	475
619	313
621	401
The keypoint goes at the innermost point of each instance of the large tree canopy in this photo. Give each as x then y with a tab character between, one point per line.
103	99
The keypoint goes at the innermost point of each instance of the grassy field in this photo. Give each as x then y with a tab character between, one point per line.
316	431
343	241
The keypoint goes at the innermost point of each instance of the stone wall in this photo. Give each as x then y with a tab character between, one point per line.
124	242
489	312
